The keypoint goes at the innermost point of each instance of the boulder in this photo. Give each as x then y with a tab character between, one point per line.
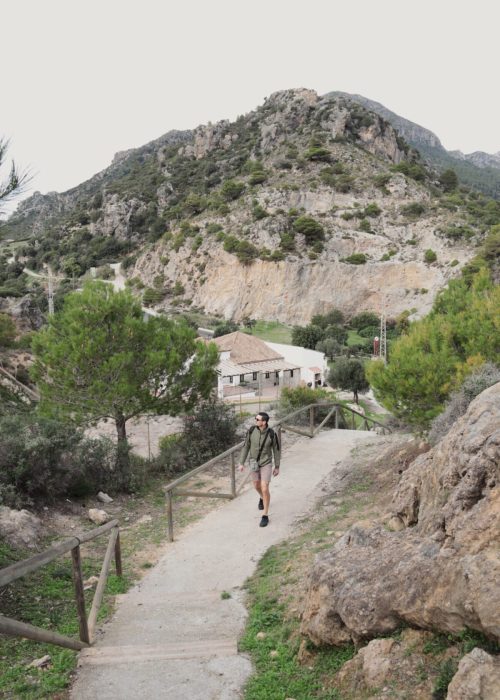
104	498
19	528
99	517
477	678
442	570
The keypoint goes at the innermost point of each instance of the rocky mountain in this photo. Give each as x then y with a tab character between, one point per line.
479	170
479	158
306	203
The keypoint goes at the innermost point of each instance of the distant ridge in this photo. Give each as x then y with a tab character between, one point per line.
478	170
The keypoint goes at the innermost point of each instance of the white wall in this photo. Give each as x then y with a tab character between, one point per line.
304	358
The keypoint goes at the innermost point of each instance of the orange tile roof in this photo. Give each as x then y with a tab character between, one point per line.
245	348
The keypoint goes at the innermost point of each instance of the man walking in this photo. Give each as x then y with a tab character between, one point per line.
261	442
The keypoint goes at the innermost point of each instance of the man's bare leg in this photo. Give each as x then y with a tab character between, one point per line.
266	496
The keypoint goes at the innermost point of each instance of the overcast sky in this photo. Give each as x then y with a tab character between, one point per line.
82	80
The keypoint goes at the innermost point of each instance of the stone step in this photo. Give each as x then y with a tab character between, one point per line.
199	649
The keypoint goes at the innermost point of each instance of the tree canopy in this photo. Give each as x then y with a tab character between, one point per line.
16	180
349	375
432	359
98	358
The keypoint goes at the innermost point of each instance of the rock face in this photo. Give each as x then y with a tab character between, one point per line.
442	570
19	528
163	208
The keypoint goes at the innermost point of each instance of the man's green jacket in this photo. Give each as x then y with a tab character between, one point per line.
254	440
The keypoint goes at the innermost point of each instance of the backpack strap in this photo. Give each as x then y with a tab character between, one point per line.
274	438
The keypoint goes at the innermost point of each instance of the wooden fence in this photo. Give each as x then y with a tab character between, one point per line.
345	418
87	625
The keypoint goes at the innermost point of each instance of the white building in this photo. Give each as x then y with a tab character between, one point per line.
249	365
313	364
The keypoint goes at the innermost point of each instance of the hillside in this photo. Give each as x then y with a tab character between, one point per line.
306	203
478	170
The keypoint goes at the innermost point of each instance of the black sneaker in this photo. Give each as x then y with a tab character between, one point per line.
261	504
264	521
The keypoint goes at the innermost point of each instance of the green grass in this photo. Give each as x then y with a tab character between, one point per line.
45	598
354	339
278	671
273	331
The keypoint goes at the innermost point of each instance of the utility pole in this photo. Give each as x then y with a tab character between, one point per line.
51	295
383	332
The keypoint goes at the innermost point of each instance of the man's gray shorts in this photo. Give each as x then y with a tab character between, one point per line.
263	474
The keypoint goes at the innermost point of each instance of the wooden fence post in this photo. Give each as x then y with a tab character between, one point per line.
118	556
80	595
170	517
311	420
233	475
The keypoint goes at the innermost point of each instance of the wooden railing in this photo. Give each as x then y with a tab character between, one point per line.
341	422
87	625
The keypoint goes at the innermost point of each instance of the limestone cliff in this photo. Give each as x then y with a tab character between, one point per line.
303	204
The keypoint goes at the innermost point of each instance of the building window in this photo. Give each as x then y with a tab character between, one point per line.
277	374
267	375
242	377
254	376
231	379
291	373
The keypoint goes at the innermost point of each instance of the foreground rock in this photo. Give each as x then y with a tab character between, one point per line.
19	528
442	570
99	517
477	678
390	664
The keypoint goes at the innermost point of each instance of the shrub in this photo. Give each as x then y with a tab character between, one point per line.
213	228
381	181
293	398
448	180
363	320
458	403
364	225
7	331
178	289
152	296
457	232
330	346
413	170
287	242
309	227
258	177
258	212
372	210
318	153
44	458
246	252
209	430
344	183
224	328
430	256
413	210
231	189
356	259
